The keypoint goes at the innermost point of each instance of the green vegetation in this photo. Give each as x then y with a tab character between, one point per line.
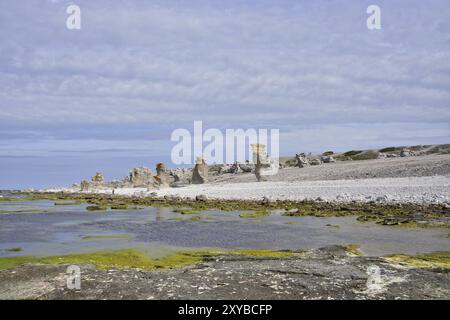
68	203
333	226
24	211
391	149
107	236
120	206
352	153
367	155
132	258
256	214
15	249
96	208
428	260
186	211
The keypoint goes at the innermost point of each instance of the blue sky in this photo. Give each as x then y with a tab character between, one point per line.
108	96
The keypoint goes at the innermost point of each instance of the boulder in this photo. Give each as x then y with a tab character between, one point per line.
181	175
140	177
200	172
327	159
201	197
406	153
302	160
315	162
247	167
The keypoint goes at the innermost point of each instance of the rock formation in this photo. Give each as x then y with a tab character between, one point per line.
162	177
200	172
302	160
140	177
261	161
98	179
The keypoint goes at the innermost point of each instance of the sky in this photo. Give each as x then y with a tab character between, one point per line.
108	96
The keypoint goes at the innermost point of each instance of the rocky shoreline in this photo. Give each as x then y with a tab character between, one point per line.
335	272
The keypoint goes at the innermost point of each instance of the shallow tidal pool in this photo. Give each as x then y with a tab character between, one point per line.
41	228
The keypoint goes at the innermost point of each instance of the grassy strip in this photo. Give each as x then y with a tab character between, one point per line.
15	249
256	214
429	260
132	258
24	211
68	203
186	211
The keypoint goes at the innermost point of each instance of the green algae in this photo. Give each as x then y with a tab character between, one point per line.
428	260
369	211
186	211
24	211
120	206
68	203
133	258
96	208
15	249
256	214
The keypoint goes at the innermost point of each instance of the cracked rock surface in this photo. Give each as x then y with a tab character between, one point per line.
326	273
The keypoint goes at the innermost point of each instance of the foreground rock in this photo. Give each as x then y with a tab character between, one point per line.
328	273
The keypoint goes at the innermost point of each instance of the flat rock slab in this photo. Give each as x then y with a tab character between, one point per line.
327	273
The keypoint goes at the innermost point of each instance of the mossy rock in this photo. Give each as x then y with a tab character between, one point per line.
256	214
428	260
96	208
122	206
186	211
